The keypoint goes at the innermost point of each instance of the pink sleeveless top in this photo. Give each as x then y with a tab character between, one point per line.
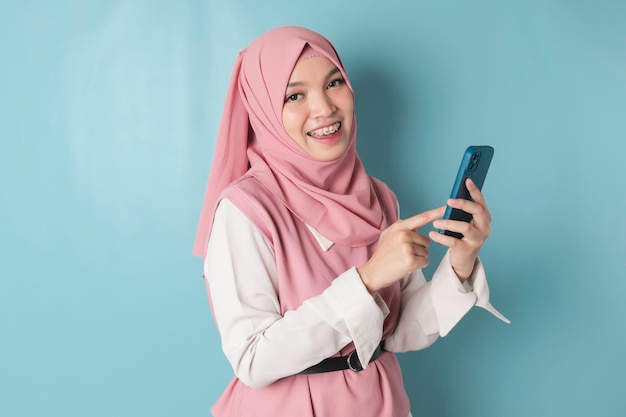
304	271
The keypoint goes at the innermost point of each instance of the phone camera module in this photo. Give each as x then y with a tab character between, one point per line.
474	161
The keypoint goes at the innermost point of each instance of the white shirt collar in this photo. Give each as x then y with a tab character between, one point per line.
324	243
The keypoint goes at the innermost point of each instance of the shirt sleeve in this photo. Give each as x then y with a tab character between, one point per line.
432	309
261	344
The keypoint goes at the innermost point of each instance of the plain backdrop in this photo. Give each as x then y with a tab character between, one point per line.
108	114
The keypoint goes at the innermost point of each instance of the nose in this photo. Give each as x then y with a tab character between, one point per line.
321	105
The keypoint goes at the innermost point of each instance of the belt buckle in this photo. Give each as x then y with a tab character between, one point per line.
358	367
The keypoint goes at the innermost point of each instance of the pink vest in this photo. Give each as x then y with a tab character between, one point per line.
304	271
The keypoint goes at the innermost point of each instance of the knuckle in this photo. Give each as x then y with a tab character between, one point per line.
404	236
409	264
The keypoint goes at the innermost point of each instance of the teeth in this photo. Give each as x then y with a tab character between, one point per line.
325	131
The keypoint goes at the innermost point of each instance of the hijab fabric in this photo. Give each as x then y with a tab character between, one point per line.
337	197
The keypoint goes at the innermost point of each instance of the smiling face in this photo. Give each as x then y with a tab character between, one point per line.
318	112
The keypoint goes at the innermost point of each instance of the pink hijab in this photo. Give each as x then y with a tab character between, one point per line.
337	197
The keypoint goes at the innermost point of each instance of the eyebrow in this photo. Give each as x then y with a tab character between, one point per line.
298	83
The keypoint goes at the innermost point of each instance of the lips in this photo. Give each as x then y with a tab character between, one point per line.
325	131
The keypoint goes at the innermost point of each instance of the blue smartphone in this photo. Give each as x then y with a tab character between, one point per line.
474	165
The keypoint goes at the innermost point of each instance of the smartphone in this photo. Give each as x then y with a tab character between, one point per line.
474	165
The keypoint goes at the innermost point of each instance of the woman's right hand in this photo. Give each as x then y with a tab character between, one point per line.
400	251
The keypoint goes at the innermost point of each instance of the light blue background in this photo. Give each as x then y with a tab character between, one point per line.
108	112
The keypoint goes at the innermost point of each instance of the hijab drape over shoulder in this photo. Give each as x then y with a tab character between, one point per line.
337	197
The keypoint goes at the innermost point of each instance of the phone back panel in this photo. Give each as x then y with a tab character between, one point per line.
474	164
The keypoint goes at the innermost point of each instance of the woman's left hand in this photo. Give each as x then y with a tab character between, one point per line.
464	251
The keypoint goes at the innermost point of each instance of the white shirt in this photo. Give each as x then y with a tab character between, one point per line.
262	345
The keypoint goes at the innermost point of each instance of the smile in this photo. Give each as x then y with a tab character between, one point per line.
325	131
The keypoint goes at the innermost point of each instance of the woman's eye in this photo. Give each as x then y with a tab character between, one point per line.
292	97
336	83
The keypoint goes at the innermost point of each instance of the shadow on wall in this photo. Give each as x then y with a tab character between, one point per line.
384	113
378	119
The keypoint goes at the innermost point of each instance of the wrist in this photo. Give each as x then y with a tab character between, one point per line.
464	272
364	273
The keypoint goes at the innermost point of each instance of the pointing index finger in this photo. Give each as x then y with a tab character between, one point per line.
423	218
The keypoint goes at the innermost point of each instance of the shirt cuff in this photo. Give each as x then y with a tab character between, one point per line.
452	299
363	313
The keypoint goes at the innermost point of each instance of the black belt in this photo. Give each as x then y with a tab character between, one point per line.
342	363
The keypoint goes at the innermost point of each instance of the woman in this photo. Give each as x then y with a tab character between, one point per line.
313	280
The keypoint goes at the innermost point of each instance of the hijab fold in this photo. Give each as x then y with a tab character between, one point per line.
337	197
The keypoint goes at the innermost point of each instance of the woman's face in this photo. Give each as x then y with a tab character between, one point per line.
318	112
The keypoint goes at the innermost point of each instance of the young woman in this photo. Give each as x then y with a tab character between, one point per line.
313	280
